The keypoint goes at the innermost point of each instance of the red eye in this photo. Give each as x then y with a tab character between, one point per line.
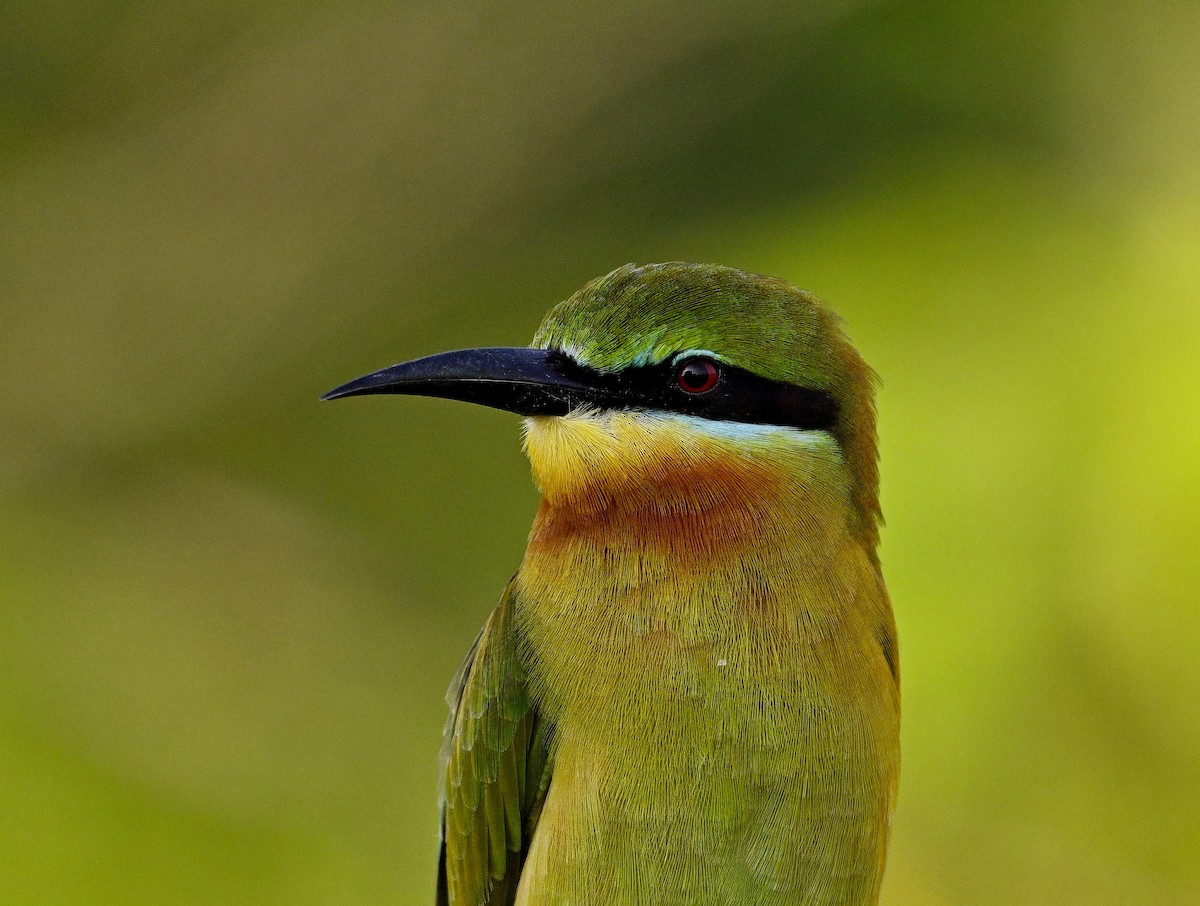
697	376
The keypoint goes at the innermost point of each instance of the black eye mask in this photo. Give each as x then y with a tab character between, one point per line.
550	382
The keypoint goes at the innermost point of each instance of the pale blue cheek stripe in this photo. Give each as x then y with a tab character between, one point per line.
745	431
768	435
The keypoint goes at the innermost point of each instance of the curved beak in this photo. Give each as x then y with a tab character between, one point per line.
514	378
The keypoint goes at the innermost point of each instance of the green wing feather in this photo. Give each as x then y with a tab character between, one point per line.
495	769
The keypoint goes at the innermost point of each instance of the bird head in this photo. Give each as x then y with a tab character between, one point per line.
676	386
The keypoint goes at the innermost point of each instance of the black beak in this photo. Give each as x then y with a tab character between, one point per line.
516	379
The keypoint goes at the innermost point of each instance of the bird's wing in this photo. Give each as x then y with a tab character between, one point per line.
495	769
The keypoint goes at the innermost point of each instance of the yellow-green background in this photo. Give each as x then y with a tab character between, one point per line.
228	612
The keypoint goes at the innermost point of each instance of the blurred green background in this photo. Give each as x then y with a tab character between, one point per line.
228	613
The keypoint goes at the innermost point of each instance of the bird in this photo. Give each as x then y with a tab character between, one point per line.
688	692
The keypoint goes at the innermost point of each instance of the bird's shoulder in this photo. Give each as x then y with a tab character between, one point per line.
495	767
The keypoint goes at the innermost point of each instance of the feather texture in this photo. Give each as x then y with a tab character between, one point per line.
689	693
495	768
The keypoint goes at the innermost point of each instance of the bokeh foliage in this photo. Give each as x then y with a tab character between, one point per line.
228	613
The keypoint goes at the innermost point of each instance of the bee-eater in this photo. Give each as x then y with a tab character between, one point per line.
688	693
